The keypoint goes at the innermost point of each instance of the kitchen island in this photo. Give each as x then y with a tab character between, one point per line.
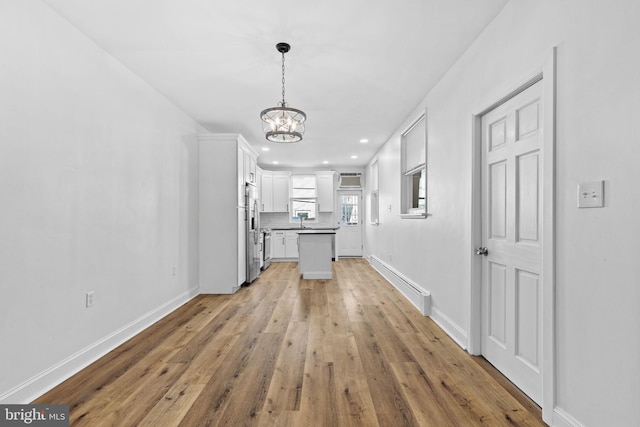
315	253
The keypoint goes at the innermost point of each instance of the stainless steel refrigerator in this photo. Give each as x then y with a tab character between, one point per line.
253	232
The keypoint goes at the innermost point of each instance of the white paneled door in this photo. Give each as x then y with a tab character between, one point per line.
511	235
350	231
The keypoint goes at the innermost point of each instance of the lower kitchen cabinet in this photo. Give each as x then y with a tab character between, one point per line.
284	244
278	244
291	244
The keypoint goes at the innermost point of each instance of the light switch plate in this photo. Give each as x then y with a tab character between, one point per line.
591	194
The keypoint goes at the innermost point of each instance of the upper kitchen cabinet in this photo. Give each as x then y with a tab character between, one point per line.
250	166
281	191
326	190
275	191
221	213
266	191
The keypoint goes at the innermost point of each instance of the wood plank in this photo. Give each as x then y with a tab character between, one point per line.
526	402
349	351
339	322
278	419
194	347
252	385
286	385
353	306
354	404
140	398
387	339
426	404
216	396
386	397
174	405
179	398
281	317
395	314
319	345
318	403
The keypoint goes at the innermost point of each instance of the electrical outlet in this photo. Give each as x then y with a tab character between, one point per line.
175	270
90	299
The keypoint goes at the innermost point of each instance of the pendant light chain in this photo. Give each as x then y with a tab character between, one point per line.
283	103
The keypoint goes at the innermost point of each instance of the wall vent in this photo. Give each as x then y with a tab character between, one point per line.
417	296
350	180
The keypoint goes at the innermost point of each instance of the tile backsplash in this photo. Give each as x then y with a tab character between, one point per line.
271	220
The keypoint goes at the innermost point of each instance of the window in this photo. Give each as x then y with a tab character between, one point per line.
349	209
418	190
374	194
303	198
414	170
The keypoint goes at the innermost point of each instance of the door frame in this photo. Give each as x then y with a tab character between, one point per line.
547	74
358	190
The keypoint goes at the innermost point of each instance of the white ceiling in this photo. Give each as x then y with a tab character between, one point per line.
356	67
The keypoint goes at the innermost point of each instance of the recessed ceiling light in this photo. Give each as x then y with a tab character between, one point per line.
326	162
354	157
275	162
364	140
265	148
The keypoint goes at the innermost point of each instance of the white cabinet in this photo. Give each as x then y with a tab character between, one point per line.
281	191
274	195
221	215
291	244
250	166
239	174
266	191
259	184
325	191
246	170
278	244
275	191
315	254
284	244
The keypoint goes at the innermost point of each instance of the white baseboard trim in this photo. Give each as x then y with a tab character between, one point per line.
420	298
452	329
563	419
49	378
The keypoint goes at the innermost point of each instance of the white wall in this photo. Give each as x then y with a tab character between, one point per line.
598	274
98	177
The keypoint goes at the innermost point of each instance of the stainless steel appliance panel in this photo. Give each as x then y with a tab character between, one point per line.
266	249
253	232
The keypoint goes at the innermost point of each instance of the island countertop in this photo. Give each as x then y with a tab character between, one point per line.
317	231
294	228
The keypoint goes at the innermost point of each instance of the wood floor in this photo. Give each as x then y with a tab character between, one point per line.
291	352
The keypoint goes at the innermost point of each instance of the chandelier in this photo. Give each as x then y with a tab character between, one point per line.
283	123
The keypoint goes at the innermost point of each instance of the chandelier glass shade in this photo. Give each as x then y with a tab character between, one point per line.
283	123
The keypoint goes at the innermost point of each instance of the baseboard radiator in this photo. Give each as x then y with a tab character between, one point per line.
417	296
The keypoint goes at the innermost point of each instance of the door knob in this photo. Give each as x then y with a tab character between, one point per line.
482	251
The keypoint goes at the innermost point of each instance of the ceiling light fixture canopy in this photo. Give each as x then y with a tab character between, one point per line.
283	123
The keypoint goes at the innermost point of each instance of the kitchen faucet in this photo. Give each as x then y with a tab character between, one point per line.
302	216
